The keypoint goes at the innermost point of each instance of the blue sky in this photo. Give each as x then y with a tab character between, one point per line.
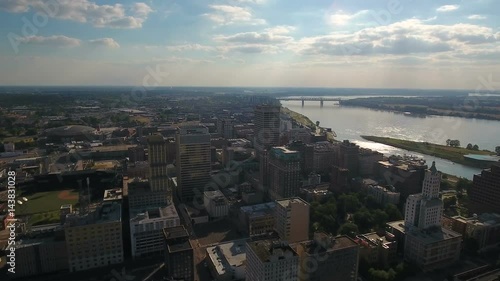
316	43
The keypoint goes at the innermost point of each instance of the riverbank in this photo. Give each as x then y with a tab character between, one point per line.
299	118
454	154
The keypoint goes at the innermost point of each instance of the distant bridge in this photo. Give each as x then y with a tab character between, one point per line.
304	99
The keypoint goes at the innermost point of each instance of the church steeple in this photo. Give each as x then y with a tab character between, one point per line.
433	168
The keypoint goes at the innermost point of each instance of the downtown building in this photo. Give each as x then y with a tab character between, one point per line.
158	176
484	195
146	229
179	254
193	161
427	244
328	258
284	172
271	260
267	127
292	219
94	238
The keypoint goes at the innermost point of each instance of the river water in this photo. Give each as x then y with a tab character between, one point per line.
351	122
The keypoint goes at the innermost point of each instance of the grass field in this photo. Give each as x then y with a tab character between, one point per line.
43	202
455	154
302	119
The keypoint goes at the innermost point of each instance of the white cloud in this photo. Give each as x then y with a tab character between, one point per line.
476	17
55	40
105	42
258	2
448	8
83	11
189	47
281	29
342	18
226	15
254	38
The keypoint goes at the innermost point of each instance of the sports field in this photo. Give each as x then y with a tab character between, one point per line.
43	202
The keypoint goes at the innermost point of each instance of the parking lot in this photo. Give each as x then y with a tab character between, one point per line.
215	232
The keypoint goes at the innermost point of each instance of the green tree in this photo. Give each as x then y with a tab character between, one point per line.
447	202
463	184
475	147
349	203
350	229
497	150
317	123
364	219
469	146
393	212
379	218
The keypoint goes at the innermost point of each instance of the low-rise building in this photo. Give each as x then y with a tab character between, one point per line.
432	248
483	228
179	254
257	219
216	204
378	249
328	258
146	229
227	261
384	195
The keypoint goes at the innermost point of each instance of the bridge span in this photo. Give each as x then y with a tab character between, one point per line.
304	99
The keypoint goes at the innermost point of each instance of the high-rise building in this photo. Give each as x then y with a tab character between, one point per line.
425	210
292	219
271	260
348	157
267	126
179	254
284	172
427	244
216	204
158	177
328	258
485	192
94	239
193	161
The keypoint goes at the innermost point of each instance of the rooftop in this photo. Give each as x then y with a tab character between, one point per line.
104	213
143	216
228	255
177	239
373	239
430	236
112	194
328	243
259	208
268	250
286	202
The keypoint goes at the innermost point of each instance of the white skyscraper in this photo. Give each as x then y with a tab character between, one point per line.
425	210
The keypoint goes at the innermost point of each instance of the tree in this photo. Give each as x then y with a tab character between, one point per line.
350	229
379	218
497	150
349	203
447	202
469	146
448	142
463	184
364	219
317	123
475	147
393	212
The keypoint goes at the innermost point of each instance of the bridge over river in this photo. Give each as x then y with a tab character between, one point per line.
304	99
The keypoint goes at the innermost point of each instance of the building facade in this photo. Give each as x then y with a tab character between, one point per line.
193	161
292	219
216	204
146	229
271	260
284	173
485	192
336	258
179	254
267	126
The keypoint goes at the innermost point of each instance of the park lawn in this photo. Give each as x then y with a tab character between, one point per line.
42	202
302	119
455	154
142	119
44	218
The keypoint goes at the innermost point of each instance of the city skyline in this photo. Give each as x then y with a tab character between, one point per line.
250	43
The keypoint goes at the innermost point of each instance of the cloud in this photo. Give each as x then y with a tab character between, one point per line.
281	29
226	15
448	8
258	2
105	42
251	49
55	40
406	37
189	47
342	18
83	11
476	17
254	38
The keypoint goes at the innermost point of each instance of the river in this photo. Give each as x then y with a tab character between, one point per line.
351	122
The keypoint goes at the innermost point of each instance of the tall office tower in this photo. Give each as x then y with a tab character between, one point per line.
427	244
94	239
349	157
271	260
193	161
225	127
158	178
292	219
485	192
336	258
284	173
425	210
267	126
179	254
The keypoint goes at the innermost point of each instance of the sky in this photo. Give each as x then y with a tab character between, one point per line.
425	44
